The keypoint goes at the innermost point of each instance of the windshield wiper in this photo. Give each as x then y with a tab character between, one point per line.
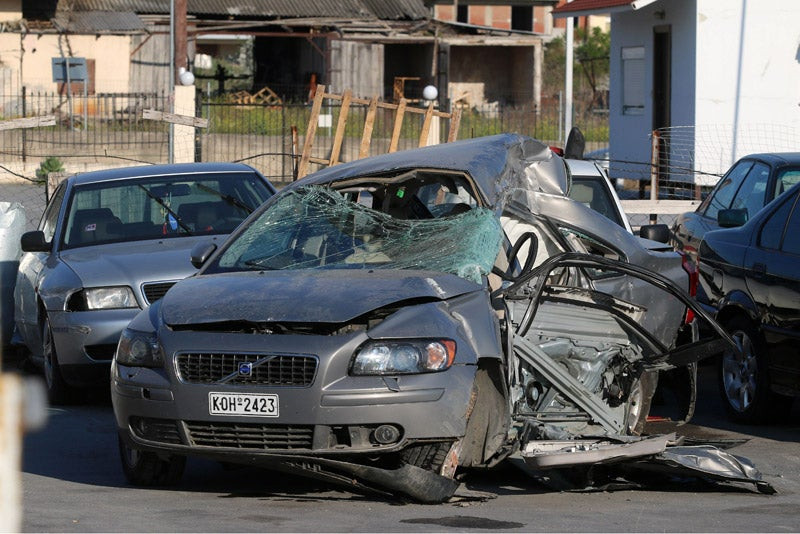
164	205
227	198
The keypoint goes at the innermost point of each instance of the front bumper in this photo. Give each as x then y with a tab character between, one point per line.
335	415
86	341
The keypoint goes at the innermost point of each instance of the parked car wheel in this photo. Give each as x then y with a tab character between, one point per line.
143	468
744	378
58	391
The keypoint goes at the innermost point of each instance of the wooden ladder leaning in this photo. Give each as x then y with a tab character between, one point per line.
372	104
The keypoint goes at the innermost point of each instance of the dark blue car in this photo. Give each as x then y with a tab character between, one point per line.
751	274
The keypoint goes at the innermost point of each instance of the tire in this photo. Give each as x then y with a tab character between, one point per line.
744	380
58	391
639	401
144	468
428	456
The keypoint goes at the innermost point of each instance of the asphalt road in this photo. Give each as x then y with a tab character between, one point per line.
73	483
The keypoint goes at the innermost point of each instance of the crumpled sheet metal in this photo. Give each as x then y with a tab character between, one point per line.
500	164
623	462
708	461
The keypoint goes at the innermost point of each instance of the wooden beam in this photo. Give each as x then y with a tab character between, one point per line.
338	138
311	131
28	122
426	126
183	120
398	125
369	124
455	122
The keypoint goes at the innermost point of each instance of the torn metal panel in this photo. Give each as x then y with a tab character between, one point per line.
568	453
708	462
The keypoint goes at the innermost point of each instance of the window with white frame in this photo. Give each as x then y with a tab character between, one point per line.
633	80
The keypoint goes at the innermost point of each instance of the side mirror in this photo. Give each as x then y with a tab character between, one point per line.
201	252
732	217
34	242
655	232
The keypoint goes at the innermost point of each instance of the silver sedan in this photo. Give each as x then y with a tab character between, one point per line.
109	244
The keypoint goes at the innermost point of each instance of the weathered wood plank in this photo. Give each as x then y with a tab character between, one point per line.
28	122
311	131
426	126
398	125
340	127
183	120
369	124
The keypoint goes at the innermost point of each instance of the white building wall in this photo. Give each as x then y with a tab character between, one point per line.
748	69
631	133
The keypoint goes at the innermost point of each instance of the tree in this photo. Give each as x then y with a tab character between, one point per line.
591	53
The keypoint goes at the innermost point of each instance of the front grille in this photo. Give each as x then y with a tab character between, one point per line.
278	370
250	435
155	291
152	429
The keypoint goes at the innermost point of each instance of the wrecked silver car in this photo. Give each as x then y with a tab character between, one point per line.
390	321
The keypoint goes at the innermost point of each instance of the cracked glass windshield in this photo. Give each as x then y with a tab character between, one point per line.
317	228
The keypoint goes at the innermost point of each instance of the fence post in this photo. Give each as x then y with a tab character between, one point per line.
654	163
24	135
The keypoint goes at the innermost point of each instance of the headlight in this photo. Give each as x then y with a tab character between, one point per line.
403	357
139	349
103	298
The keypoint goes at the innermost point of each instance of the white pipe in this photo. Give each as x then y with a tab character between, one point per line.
568	53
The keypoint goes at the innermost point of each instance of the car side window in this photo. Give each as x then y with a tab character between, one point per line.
773	229
723	194
50	216
751	194
791	239
786	179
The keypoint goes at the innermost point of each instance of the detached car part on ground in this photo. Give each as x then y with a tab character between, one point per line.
390	321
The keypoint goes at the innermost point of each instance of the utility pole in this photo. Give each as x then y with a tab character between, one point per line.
181	55
568	37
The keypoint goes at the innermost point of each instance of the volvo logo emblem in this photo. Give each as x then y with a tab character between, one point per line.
245	369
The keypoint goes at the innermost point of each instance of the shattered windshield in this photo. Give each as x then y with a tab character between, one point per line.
317	228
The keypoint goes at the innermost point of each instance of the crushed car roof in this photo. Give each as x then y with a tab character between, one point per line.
497	164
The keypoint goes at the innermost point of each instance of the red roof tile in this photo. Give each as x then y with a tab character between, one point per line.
591	5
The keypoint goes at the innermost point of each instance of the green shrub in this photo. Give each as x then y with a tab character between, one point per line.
50	164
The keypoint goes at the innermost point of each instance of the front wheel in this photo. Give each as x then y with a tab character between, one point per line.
744	376
144	468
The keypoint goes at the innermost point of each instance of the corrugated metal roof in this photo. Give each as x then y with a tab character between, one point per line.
382	9
98	21
398	9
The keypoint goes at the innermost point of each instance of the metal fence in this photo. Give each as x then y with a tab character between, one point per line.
107	129
95	127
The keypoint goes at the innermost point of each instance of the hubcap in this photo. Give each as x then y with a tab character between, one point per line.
739	372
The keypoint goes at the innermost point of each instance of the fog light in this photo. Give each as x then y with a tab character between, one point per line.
386	434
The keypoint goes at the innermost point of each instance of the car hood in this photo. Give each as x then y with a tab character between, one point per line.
132	263
302	296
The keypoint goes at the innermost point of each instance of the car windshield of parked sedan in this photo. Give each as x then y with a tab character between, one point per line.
160	207
317	228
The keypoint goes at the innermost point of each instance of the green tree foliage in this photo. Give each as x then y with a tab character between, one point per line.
591	55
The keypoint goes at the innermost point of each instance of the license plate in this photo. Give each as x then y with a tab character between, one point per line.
252	404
